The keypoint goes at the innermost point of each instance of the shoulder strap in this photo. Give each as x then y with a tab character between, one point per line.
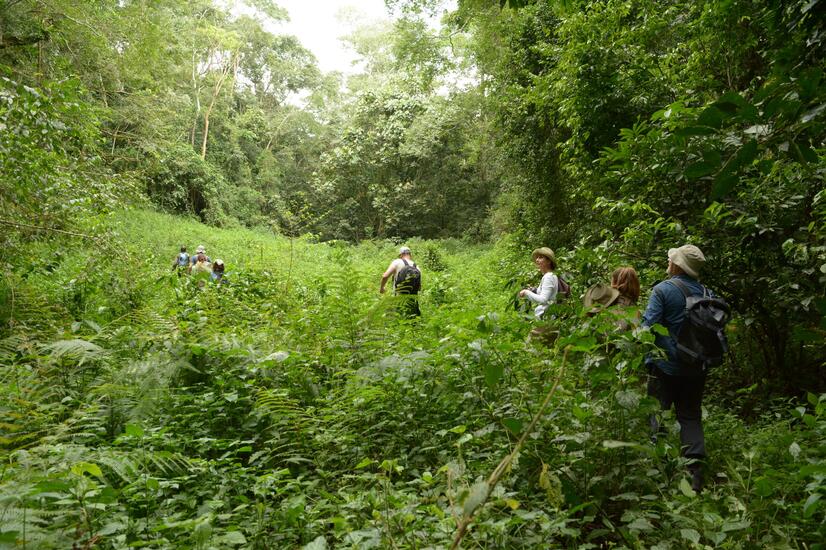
405	261
684	289
681	286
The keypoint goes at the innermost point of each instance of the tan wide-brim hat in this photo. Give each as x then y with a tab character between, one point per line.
600	294
689	258
544	251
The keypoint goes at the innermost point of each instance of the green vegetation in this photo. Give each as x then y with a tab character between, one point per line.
291	404
291	407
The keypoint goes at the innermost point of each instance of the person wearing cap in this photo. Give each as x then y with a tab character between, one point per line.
669	381
410	306
545	294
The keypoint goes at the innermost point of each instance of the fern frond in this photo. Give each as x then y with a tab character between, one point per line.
76	349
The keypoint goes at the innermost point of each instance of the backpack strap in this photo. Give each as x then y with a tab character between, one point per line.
405	262
684	288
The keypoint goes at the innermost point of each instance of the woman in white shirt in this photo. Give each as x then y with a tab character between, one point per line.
549	287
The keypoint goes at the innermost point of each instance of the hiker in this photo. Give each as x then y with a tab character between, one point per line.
624	291
218	271
201	250
671	379
407	280
549	286
181	261
626	281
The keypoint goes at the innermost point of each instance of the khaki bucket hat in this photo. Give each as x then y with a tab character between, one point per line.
689	258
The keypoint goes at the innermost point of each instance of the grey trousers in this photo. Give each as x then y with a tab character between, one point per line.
685	393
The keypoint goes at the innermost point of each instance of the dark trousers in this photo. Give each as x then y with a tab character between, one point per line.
685	393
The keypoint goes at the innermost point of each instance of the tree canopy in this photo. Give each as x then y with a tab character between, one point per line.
140	409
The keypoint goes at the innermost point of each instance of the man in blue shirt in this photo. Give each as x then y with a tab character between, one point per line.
671	382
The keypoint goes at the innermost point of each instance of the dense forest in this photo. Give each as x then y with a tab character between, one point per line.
291	407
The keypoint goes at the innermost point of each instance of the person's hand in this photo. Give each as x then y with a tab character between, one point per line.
523	292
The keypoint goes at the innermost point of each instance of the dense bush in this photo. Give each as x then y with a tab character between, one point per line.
291	407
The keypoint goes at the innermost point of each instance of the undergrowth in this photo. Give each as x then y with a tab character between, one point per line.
291	408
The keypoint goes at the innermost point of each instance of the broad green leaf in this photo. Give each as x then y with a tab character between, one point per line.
694	131
764	486
318	543
513	424
580	343
640	524
747	153
699	169
364	463
804	152
794	450
711	117
685	488
134	430
735	526
81	468
493	373
233	538
477	495
513	504
580	413
811	504
723	184
111	528
52	486
690	535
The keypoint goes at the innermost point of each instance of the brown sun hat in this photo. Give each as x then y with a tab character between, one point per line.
600	295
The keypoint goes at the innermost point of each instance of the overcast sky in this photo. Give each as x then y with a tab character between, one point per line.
316	25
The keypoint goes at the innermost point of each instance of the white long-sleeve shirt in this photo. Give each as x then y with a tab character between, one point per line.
545	294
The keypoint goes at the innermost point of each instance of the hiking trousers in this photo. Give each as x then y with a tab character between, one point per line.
685	393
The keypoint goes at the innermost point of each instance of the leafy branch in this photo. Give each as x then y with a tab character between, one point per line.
484	489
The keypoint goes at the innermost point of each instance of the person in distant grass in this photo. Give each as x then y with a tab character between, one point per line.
200	255
407	281
181	262
218	271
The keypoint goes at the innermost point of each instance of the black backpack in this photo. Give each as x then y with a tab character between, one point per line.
409	279
701	341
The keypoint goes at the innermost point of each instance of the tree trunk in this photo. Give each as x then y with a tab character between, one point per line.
216	91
